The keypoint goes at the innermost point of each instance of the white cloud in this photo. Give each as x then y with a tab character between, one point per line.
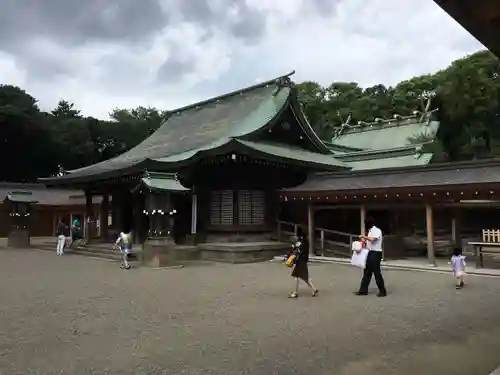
376	41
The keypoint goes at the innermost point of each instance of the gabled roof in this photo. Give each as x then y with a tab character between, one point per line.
162	181
45	196
194	126
387	134
209	126
271	151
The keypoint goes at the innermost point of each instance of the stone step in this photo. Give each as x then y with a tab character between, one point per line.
95	252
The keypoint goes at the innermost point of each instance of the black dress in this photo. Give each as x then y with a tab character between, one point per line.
301	270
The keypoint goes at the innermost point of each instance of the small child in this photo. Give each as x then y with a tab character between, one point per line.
124	243
458	265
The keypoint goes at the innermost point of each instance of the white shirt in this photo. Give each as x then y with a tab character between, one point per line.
375	245
125	241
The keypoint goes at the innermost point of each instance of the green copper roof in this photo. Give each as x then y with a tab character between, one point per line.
21	197
279	152
386	135
295	154
391	162
197	126
162	181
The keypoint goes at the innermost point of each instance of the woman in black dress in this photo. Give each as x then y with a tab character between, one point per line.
301	270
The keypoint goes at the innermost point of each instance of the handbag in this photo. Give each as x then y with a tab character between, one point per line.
359	254
359	258
292	258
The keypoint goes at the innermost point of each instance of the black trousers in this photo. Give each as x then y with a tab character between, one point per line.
372	268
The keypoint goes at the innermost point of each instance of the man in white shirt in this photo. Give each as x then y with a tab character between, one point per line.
374	245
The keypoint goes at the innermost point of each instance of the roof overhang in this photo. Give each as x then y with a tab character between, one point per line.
481	18
20	197
272	152
162	182
441	176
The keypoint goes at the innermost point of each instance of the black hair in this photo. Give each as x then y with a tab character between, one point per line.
300	232
369	222
457	251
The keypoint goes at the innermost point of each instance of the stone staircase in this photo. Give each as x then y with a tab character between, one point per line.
98	250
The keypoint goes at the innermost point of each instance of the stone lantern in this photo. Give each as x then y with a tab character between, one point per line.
20	209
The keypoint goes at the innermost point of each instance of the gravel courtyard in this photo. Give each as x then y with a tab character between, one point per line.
74	315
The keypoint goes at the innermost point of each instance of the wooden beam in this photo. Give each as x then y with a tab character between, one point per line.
431	256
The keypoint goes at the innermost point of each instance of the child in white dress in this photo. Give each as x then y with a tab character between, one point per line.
458	265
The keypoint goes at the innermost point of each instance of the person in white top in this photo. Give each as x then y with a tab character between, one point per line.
124	244
374	245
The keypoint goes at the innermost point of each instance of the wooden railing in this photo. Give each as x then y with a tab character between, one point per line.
490	246
327	242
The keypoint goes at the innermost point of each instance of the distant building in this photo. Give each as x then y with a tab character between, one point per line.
51	206
386	143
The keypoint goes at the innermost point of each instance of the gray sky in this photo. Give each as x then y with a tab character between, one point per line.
103	54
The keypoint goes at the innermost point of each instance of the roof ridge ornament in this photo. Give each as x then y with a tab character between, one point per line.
426	111
346	125
282	82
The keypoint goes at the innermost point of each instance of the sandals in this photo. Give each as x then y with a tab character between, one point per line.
295	295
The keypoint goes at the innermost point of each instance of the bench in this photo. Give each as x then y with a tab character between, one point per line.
490	245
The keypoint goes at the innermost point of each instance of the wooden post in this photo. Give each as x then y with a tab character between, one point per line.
456	230
431	256
103	217
362	214
137	214
55	221
310	224
194	213
87	217
322	241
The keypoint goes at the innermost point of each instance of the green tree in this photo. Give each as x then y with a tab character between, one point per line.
132	126
26	145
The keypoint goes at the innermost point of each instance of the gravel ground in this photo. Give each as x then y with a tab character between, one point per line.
74	315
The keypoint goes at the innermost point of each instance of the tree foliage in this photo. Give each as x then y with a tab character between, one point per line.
34	143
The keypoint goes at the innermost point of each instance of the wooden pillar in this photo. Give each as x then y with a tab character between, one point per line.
194	213
137	217
114	211
87	216
55	220
103	217
456	230
117	208
362	215
310	227
431	256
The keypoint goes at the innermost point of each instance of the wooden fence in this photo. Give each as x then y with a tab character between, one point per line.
327	242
